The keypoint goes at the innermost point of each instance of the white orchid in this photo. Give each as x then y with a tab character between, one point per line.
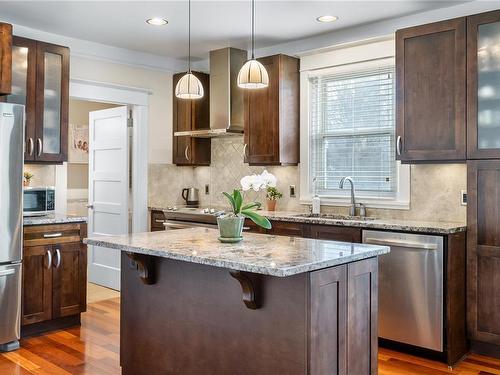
257	182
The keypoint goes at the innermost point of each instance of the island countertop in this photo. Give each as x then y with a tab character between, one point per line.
258	253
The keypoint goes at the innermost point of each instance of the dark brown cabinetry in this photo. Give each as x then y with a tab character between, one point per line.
5	58
483	86
329	232
40	81
272	115
430	92
54	276
483	247
282	228
191	115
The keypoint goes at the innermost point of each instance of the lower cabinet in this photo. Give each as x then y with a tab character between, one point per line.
329	232
282	228
54	276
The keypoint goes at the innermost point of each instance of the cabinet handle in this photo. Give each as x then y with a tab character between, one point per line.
159	221
48	263
40	146
245	150
31	146
58	258
398	145
52	235
186	153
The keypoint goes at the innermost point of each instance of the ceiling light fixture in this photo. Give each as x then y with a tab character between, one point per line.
189	86
155	21
253	75
327	18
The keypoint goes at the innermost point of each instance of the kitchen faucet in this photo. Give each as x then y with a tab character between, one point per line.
352	207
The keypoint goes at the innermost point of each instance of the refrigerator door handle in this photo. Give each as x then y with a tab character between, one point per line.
8	272
48	263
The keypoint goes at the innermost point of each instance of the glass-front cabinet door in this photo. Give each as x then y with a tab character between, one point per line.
52	95
483	86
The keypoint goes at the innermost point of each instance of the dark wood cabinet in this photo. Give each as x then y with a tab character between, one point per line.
191	115
40	82
5	58
483	86
284	228
483	249
431	92
54	276
157	220
332	233
272	115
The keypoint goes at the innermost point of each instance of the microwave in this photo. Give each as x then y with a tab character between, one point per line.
38	201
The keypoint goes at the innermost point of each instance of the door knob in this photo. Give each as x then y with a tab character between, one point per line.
91	206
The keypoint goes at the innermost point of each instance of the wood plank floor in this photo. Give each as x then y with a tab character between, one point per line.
93	349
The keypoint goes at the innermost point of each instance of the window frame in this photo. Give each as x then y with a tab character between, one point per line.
328	64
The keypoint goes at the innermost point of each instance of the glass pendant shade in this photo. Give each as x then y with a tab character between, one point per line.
253	75
189	87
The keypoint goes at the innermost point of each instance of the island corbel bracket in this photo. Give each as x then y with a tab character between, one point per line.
145	266
250	289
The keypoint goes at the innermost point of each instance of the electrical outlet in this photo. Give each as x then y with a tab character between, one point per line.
292	191
463	197
207	189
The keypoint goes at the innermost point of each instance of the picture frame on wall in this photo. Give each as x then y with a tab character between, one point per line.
78	144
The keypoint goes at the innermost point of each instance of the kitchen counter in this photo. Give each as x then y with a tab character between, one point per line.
292	303
262	254
415	226
53	219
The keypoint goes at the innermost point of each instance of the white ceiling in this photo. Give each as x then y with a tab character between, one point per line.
215	24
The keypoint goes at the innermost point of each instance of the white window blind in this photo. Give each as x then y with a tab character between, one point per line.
352	131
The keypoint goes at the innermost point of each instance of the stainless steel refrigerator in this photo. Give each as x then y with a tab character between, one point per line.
11	222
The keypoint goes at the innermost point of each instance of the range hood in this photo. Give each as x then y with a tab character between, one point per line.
226	98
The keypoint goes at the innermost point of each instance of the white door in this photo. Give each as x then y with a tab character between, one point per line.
108	191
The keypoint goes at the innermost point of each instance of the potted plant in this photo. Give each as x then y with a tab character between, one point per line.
231	224
273	195
27	178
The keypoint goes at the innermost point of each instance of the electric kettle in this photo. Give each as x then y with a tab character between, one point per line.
191	196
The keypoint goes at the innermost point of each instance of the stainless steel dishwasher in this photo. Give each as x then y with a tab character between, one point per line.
410	288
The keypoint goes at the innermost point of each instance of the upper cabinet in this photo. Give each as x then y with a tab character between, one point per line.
483	86
5	58
272	115
191	114
40	81
431	92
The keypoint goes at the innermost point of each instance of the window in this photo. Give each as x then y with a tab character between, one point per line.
351	132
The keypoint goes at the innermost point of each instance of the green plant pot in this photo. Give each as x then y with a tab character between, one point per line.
230	228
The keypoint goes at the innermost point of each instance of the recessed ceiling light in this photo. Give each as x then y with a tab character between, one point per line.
157	21
327	18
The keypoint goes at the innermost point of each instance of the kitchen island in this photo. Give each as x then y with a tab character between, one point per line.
266	305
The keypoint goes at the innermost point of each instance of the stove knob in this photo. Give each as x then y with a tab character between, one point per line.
212	210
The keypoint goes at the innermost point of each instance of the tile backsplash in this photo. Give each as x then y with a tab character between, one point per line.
435	188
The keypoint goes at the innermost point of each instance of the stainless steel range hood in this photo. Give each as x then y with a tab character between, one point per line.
226	98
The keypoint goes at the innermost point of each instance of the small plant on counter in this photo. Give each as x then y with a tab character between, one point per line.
27	178
273	195
231	225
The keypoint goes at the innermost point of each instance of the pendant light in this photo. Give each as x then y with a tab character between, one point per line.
189	86
252	74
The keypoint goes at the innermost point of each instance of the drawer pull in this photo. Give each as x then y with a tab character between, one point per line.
159	221
52	235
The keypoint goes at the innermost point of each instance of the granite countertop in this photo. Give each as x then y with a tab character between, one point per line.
53	219
431	227
258	253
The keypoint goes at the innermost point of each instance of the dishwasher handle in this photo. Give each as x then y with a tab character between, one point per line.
408	244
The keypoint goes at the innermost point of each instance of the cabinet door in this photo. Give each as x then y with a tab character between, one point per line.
483	86
23	88
37	284
483	250
282	228
5	58
69	279
52	99
328	232
430	92
262	118
182	109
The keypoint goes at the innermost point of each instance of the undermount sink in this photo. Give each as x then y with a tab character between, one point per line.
337	217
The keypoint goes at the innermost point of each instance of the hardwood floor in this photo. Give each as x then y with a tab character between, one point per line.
93	349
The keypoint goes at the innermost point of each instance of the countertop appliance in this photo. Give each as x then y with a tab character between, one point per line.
191	196
410	288
11	217
39	201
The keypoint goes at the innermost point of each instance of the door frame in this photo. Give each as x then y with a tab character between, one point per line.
138	100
